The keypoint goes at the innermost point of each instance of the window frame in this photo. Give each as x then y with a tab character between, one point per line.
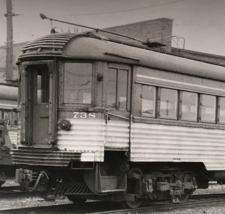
119	67
200	109
159	100
155	101
180	106
177	120
218	110
62	83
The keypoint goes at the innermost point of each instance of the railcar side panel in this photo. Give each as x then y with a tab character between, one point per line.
160	143
172	129
117	135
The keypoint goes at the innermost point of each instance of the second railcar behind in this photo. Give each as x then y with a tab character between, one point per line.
9	119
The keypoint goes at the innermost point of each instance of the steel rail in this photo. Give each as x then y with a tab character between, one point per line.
112	208
15	193
41	209
196	201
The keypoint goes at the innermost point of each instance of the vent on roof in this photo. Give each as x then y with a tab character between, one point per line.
51	44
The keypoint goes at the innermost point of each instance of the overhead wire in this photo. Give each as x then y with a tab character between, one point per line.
120	11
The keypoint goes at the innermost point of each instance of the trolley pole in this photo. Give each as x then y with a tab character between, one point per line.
9	43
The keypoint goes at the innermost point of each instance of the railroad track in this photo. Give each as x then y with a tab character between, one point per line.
197	201
7	188
14	192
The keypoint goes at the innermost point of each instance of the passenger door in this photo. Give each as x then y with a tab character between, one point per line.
117	98
40	104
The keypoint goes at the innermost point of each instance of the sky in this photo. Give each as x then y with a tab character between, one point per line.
200	22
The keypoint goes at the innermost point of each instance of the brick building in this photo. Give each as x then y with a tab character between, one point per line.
158	30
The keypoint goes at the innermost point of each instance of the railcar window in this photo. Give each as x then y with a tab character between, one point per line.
189	106
122	89
117	85
111	88
208	108
7	117
168	103
78	83
15	118
222	110
148	100
43	86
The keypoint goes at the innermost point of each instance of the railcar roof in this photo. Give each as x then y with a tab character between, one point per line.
89	46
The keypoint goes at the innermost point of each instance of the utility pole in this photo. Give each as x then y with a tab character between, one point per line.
9	43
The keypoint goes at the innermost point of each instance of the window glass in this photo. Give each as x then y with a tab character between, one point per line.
117	86
111	88
15	118
168	103
78	83
189	103
222	110
7	117
43	86
1	114
208	108
122	89
148	100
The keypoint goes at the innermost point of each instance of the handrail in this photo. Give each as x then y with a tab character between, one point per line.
115	115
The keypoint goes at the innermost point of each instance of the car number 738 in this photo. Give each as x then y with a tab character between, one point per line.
83	115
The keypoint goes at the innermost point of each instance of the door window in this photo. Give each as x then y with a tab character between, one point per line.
42	86
117	89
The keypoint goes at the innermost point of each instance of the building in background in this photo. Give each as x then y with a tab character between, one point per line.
159	30
156	30
16	51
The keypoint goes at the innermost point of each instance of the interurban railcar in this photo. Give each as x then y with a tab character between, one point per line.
8	128
111	121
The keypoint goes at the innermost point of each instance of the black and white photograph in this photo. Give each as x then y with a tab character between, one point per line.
112	106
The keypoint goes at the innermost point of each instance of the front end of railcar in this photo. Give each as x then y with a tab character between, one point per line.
62	121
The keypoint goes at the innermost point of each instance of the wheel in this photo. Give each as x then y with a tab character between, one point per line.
131	204
181	199
131	175
187	193
133	172
75	200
